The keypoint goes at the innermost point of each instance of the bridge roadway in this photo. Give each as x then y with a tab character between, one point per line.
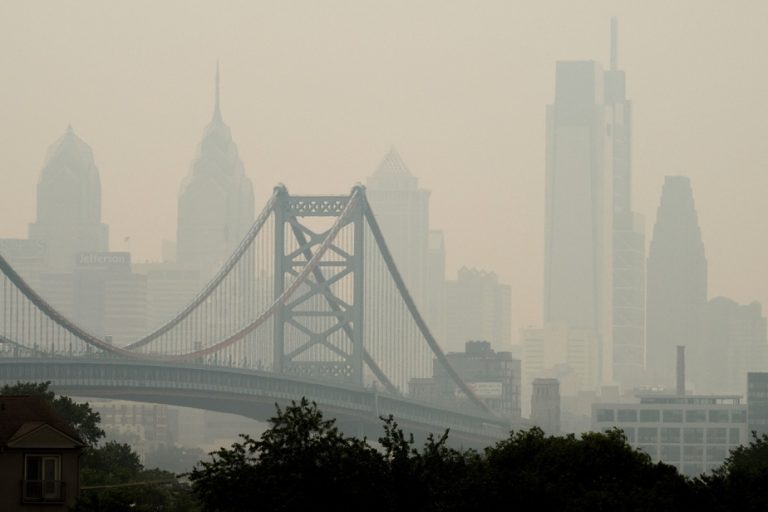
252	394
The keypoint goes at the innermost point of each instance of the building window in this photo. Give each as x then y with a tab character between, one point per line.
670	453
605	415
718	416
716	436
650	449
739	416
670	435
626	415
693	435
693	453
734	436
629	433
42	479
716	453
649	415
673	416
696	416
647	435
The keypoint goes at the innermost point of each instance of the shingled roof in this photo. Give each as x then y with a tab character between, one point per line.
23	413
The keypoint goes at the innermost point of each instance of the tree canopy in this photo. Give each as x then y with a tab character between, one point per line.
304	461
80	415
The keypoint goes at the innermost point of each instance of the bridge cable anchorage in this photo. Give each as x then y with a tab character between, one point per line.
411	305
214	283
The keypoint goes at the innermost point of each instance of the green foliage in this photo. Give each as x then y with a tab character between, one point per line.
741	483
303	461
109	473
79	415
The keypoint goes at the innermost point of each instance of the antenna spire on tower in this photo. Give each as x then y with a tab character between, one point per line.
614	43
217	107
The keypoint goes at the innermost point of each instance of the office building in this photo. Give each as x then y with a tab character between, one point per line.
757	402
545	405
735	343
677	284
594	242
562	352
493	376
477	307
216	206
69	204
694	433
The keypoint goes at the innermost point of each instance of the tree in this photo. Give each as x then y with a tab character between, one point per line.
302	461
79	415
112	477
741	483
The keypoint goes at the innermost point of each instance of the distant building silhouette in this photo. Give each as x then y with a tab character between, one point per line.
677	283
69	204
215	201
735	343
478	307
493	376
594	242
545	405
402	210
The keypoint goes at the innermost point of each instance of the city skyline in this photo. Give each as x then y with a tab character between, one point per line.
128	150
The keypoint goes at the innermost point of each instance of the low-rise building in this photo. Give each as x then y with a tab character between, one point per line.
493	376
39	456
694	433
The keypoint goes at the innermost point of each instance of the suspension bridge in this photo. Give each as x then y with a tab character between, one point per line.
310	304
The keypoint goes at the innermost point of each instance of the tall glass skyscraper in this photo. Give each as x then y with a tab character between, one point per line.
593	241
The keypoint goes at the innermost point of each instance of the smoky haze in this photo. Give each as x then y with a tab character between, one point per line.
316	93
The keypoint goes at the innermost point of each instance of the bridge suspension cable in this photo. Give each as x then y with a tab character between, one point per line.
295	297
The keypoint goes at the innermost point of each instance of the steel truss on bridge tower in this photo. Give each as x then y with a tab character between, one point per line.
312	291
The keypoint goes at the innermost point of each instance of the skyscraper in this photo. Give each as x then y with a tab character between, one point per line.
628	280
402	210
579	220
677	281
594	242
69	204
216	200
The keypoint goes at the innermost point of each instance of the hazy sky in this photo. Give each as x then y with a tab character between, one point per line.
317	91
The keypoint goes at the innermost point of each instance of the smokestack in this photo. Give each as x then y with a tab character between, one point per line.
680	370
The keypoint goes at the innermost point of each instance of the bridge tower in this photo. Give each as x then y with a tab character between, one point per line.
319	331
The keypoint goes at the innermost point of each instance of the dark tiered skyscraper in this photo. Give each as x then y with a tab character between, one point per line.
677	282
216	200
69	204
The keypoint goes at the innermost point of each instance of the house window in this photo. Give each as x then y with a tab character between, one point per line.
42	479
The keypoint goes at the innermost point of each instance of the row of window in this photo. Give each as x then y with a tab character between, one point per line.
672	415
686	435
713	454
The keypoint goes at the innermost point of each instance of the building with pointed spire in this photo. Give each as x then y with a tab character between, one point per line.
594	242
215	206
69	204
677	283
628	279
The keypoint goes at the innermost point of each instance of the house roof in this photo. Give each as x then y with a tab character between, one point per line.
22	414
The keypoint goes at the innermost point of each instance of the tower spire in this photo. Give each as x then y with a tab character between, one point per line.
614	43
217	106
